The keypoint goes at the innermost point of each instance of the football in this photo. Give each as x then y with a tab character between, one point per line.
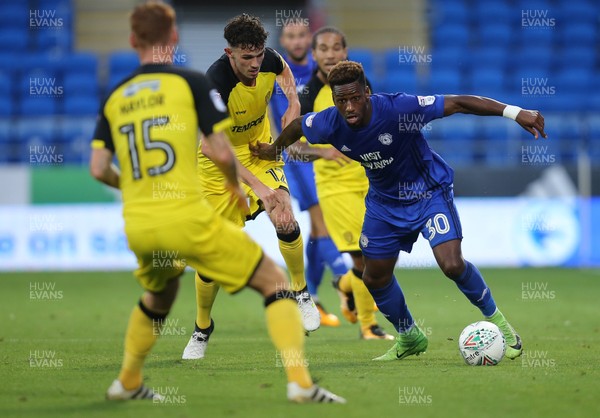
482	344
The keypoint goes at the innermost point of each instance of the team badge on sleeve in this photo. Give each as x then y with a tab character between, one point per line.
217	101
426	100
309	120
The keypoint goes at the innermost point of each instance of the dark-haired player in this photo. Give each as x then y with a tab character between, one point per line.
369	129
169	231
244	77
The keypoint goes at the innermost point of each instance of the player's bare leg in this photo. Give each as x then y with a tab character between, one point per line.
292	250
471	283
286	331
142	332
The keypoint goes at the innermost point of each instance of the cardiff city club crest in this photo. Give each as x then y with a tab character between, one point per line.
385	139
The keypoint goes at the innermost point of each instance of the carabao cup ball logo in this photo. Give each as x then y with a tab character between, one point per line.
479	339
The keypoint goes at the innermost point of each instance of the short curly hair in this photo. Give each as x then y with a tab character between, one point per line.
246	32
346	72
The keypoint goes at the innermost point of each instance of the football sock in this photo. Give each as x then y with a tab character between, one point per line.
471	283
206	293
498	318
365	305
292	250
314	267
390	301
142	332
345	282
330	254
287	333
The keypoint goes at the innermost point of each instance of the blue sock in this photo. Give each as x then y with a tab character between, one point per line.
473	286
314	266
391	303
332	257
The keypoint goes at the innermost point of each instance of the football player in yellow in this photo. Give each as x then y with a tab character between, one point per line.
244	77
341	186
168	231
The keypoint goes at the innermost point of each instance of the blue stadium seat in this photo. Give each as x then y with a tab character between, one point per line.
80	105
578	11
486	12
531	57
486	79
114	79
574	79
15	41
444	81
15	17
81	62
451	57
443	12
401	81
535	37
451	35
494	34
48	63
365	57
84	84
74	137
55	40
578	33
6	83
579	56
37	106
6	106
399	59
8	141
492	56
35	131
122	62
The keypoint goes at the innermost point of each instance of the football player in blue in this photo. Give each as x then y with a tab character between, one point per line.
411	189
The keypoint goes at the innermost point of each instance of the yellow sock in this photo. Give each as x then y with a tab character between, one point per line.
293	254
287	333
365	305
141	335
206	294
345	283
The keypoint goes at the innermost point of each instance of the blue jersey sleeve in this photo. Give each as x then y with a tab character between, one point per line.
427	108
315	127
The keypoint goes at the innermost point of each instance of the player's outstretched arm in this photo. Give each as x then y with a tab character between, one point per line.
287	137
531	120
102	168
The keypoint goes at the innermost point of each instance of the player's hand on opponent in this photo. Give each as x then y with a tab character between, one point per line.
267	196
332	154
532	121
264	151
238	197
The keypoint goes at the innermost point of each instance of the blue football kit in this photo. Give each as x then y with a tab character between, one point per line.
410	186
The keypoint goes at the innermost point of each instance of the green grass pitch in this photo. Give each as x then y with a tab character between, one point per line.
60	348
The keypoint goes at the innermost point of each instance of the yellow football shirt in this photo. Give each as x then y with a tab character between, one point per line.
247	106
151	122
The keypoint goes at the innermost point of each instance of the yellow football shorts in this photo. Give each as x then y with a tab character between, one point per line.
216	248
344	214
269	173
